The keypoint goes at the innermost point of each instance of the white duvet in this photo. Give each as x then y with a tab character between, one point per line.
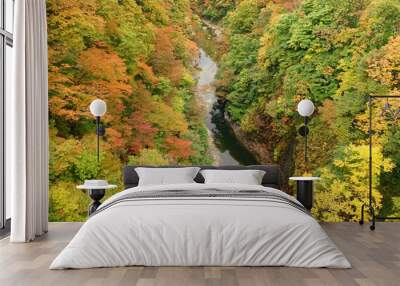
200	231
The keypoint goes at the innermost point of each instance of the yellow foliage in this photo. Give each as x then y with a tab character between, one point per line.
345	186
384	66
67	203
149	157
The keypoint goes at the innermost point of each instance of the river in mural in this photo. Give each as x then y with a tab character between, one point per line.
225	147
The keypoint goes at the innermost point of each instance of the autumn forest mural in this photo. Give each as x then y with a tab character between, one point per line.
199	82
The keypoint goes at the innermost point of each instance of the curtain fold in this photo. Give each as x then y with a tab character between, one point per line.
28	124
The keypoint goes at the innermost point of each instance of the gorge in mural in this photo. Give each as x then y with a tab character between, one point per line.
217	82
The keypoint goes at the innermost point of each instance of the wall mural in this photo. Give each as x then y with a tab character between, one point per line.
218	82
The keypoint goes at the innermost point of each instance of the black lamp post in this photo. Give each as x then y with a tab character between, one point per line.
305	183
98	108
306	109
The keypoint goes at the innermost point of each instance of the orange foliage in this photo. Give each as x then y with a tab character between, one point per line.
192	48
147	73
384	66
177	148
114	137
93	54
106	71
158	113
288	4
73	20
140	133
163	59
103	74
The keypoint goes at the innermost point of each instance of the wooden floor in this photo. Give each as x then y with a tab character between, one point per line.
375	257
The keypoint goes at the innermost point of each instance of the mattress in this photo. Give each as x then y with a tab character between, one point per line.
201	225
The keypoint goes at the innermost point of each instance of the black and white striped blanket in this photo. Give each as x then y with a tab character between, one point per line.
206	194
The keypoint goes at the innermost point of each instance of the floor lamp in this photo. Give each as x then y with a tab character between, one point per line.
371	209
306	109
98	108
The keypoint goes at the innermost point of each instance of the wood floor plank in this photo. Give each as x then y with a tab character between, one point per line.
375	257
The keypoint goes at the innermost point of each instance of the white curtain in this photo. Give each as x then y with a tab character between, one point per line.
27	122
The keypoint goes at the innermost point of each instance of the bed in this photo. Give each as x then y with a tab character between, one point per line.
198	224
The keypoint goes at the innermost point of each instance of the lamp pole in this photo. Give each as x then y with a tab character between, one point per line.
305	140
305	108
98	137
98	108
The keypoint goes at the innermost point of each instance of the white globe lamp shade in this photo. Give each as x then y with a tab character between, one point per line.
98	107
305	107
